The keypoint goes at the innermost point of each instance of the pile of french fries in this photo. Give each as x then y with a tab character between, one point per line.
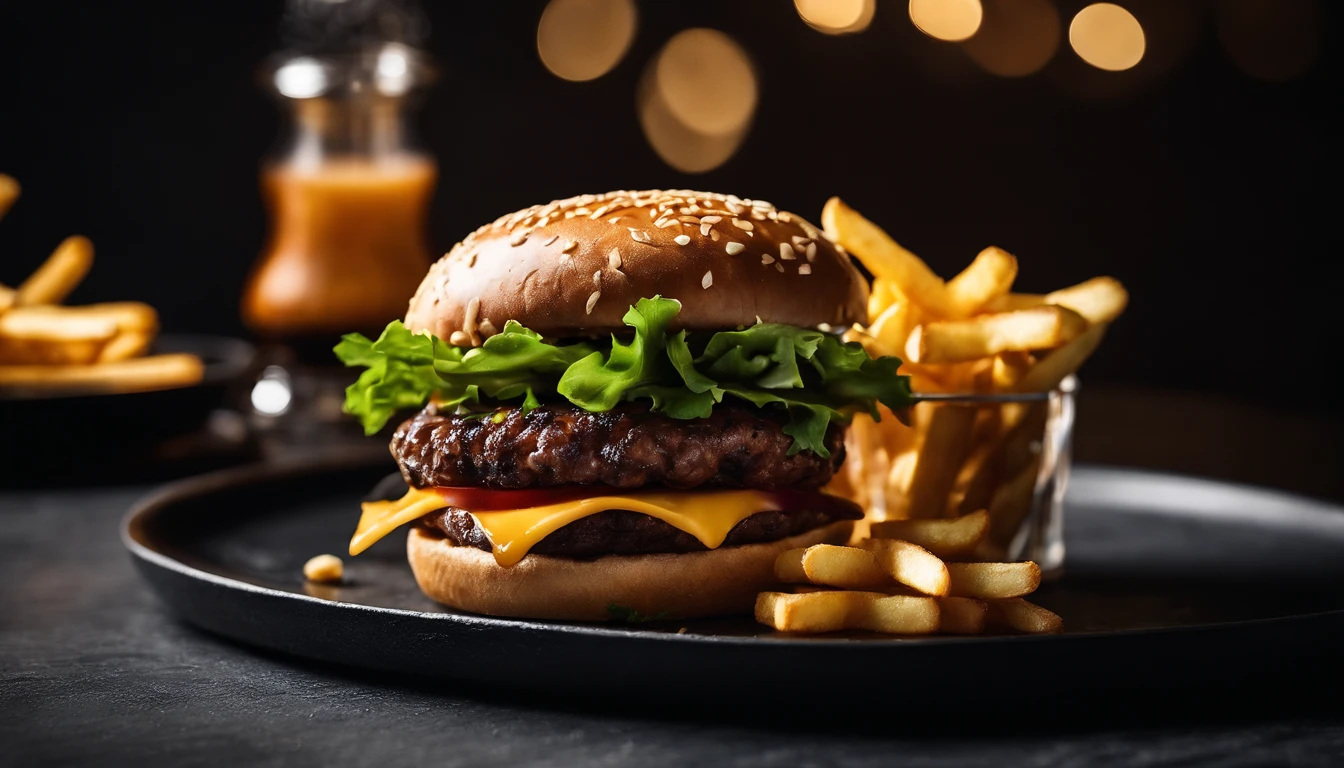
967	335
46	347
908	578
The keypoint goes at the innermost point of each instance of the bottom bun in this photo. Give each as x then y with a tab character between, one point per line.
716	582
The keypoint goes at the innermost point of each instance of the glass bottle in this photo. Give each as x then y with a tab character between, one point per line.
347	192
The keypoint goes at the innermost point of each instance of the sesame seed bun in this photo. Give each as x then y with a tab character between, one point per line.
573	268
717	582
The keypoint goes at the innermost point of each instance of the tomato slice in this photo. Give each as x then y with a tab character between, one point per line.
486	499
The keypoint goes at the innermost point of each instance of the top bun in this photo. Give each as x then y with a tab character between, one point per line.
574	267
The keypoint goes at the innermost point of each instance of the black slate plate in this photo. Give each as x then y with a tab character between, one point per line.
106	435
1171	582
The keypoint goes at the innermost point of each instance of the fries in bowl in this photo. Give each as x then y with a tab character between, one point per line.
49	348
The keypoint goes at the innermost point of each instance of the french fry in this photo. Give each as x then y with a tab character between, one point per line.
1011	301
136	375
819	612
962	615
9	192
898	484
991	275
1023	616
1048	372
789	566
947	438
891	328
46	336
59	274
1008	368
885	258
910	564
1011	503
882	295
993	581
125	345
984	335
844	567
128	315
944	538
1099	300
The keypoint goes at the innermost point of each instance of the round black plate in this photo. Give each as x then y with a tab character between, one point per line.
1171	581
97	432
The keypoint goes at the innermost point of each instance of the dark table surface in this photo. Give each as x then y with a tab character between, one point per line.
94	671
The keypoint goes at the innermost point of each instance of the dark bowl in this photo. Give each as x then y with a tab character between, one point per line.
76	439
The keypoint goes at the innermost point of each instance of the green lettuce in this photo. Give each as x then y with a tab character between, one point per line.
814	377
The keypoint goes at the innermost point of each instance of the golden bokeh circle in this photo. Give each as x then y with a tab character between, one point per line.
584	39
706	80
1016	38
1107	37
950	20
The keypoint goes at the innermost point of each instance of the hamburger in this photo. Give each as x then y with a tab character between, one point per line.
629	405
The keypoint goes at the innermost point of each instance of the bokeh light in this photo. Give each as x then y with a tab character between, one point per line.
584	39
836	17
696	100
706	80
951	20
1107	37
1016	37
1271	40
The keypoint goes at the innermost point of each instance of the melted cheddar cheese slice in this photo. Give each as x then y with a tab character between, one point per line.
708	516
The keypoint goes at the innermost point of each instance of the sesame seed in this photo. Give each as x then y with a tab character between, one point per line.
471	260
582	211
681	239
469	317
799	241
734	248
707	280
592	302
704	229
614	258
600	212
786	252
804	269
743	224
519	237
597	277
734	207
459	339
615	219
488	328
711	219
811	251
714	235
639	236
689	219
767	259
757	215
569	246
779	265
551	239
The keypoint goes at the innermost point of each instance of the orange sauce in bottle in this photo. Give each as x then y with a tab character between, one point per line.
346	249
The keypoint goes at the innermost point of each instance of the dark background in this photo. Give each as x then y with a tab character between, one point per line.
1204	190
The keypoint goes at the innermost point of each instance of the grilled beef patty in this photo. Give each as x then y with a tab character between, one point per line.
737	446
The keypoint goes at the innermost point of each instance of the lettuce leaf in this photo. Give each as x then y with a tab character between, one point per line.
598	382
814	377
